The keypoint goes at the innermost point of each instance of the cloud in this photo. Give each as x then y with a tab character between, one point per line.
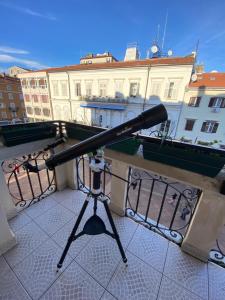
4	58
11	50
29	11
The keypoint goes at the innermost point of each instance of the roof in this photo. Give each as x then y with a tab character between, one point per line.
206	80
93	56
187	60
7	78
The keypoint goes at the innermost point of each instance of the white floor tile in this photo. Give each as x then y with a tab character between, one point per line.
3	265
137	281
74	283
107	296
61	237
40	207
216	282
100	258
10	287
169	290
187	271
28	238
38	271
54	219
150	247
19	221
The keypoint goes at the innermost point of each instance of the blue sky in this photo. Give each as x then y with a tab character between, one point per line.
38	34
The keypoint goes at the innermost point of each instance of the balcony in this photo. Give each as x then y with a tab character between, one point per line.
13	108
168	250
105	99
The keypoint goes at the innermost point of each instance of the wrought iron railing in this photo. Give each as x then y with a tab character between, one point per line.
159	204
217	254
25	187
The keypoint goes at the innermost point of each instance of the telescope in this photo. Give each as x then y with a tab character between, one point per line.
146	119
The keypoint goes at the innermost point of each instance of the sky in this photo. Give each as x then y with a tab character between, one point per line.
47	33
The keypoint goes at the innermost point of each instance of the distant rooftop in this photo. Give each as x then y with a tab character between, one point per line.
212	79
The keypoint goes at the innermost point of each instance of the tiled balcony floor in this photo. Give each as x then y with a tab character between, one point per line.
157	269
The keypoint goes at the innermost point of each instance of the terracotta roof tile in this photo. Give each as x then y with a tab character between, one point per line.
209	80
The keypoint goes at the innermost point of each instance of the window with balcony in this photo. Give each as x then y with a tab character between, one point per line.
4	115
46	112
29	110
88	88
134	89
27	98
24	83
64	91
10	96
44	98
55	88
42	83
102	88
165	126
217	102
209	126
119	88
33	84
21	96
77	87
37	111
35	98
189	124
194	101
12	105
9	87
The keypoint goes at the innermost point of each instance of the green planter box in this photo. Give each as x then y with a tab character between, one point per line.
127	146
79	133
202	163
19	134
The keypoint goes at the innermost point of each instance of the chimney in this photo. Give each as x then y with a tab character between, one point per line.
132	52
199	69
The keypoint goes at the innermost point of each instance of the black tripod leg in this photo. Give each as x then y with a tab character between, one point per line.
71	237
117	238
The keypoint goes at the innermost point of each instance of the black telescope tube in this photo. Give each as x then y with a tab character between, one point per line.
148	118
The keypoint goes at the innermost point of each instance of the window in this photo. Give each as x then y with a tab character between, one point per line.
55	88
9	87
19	88
44	98
29	110
42	83
119	88
134	89
1	95
156	87
189	124
217	102
37	111
4	115
88	88
194	101
209	126
27	97
10	96
2	105
12	105
14	114
165	126
77	87
63	88
102	88
21	96
24	83
35	98
46	112
33	83
170	90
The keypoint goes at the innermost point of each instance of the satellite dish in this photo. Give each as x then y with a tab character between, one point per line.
170	52
154	49
194	77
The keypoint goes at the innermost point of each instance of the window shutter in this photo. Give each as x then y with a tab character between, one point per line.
198	101
211	102
215	127
203	129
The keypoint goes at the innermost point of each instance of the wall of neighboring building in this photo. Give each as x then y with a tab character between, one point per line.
203	113
14	71
156	84
12	108
36	96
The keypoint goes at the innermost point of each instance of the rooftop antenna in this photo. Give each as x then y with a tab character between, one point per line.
164	32
196	49
158	32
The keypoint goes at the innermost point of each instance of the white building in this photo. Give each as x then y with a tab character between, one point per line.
14	71
36	95
202	119
106	94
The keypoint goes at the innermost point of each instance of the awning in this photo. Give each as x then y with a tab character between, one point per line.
104	106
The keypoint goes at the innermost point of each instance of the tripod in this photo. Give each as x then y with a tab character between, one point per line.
94	225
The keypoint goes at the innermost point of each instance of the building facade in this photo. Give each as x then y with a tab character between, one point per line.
15	70
12	108
36	95
202	119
